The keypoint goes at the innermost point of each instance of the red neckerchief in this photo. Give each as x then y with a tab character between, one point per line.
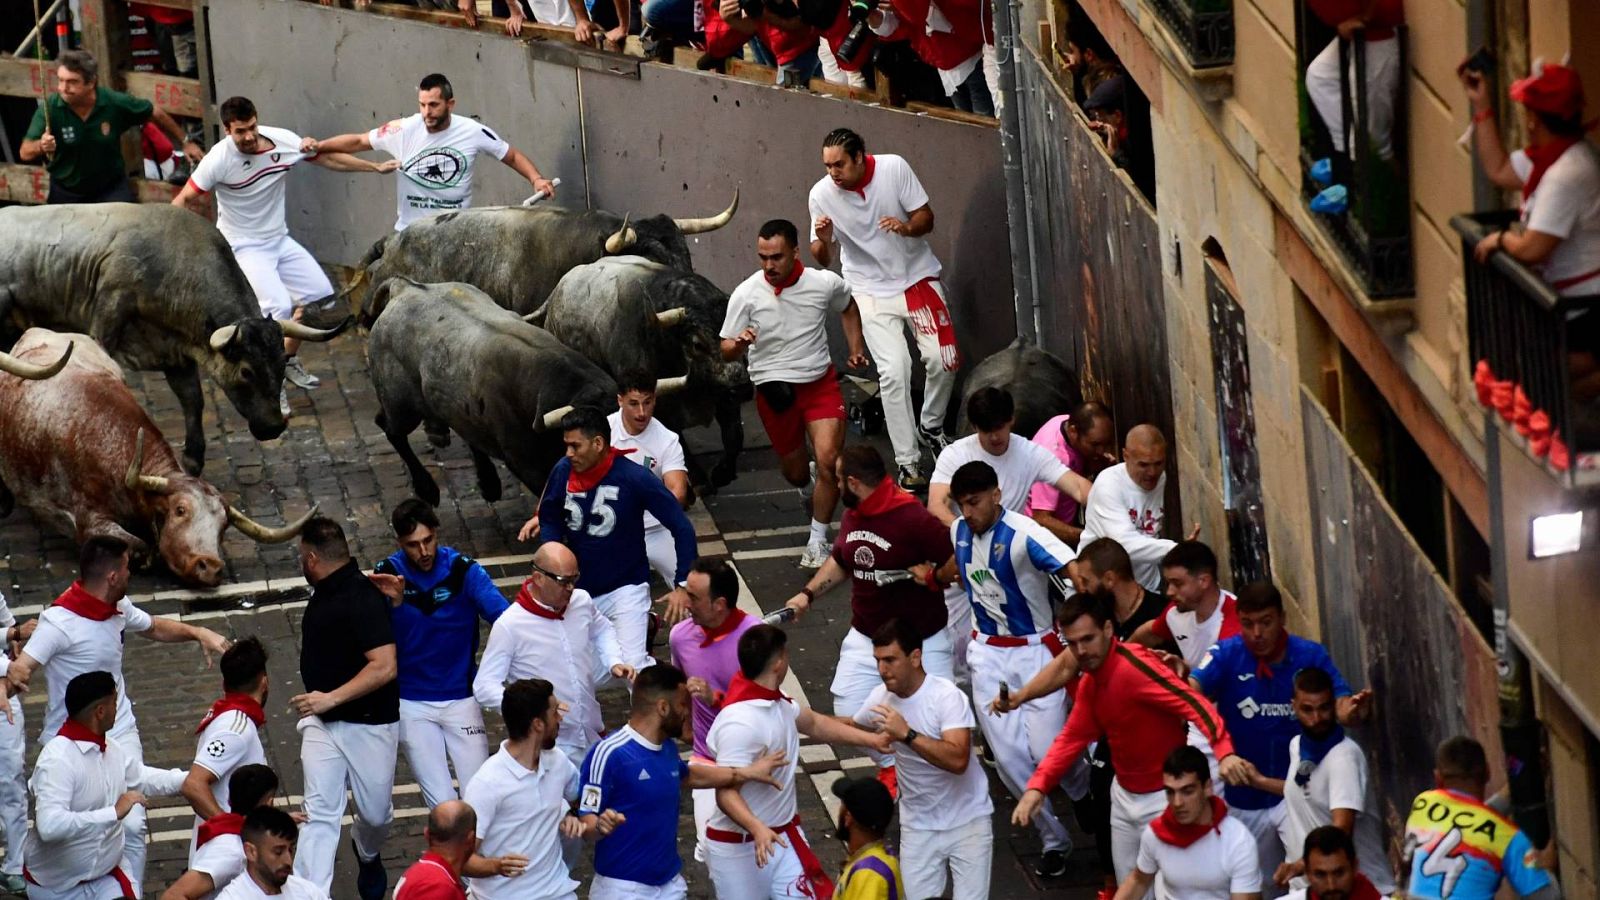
582	482
242	702
735	616
72	729
794	277
866	177
1263	668
80	602
1362	891
1543	156
742	688
525	599
886	497
217	826
1169	831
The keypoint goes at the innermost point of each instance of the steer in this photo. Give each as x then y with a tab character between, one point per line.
79	451
1041	384
448	355
627	313
159	289
517	254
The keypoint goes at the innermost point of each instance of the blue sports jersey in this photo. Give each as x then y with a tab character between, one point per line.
1006	571
1461	849
436	624
641	780
1259	711
604	527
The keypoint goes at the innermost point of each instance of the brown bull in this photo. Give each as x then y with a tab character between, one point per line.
80	452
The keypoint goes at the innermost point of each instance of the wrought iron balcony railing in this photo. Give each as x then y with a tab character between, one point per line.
1204	28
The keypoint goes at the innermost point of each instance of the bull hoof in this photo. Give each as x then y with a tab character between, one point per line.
440	438
724	473
491	492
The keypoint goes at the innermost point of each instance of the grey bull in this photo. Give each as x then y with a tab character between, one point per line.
1042	385
159	289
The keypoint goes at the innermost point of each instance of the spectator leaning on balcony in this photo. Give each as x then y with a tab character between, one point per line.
777	27
1374	22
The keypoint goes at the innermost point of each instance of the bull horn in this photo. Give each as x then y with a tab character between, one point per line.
700	226
267	534
31	372
671	385
623	239
155	484
302	332
669	318
552	419
223	336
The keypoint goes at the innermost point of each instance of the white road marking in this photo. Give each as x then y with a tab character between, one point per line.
771	553
765	533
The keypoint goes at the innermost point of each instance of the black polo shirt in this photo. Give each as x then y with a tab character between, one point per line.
345	619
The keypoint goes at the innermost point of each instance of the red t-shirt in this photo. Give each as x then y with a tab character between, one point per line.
723	41
429	878
897	538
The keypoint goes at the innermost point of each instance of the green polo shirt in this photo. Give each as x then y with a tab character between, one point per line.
88	156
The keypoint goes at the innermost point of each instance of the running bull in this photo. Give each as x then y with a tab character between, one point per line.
79	451
448	355
628	312
1041	384
517	254
159	289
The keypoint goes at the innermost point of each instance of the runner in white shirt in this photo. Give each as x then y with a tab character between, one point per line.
13	763
247	174
524	797
229	736
945	808
877	211
83	632
1200	852
218	856
1199	612
778	317
269	836
1128	504
637	432
743	851
554	632
437	151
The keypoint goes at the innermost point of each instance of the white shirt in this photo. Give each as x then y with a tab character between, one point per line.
1340	781
435	167
791	324
573	653
1132	516
76	835
1195	639
876	262
657	448
250	186
222	858
231	740
519	811
1023	465
932	799
67	645
553	12
296	888
743	733
1566	204
1223	862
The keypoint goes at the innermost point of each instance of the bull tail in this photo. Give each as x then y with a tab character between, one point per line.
537	317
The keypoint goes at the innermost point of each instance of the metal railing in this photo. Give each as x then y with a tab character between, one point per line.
1374	232
1204	29
1518	330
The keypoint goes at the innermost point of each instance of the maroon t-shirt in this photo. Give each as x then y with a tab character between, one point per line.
897	539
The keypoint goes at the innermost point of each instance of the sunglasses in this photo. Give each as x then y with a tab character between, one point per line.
563	580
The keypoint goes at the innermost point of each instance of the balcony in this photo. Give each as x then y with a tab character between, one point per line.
1518	331
1202	28
1369	156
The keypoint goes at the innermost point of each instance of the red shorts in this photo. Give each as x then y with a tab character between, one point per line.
813	402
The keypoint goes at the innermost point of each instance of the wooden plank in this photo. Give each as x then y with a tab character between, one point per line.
31	184
23	77
178	96
954	115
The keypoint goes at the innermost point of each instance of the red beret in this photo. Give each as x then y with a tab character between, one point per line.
1555	90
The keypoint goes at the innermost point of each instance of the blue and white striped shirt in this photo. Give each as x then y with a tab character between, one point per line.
1006	571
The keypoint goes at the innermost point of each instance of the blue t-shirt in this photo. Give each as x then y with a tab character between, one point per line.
641	780
604	527
1259	711
436	624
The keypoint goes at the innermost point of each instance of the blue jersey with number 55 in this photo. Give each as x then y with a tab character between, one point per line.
604	526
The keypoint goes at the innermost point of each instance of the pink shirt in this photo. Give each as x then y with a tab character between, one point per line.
1045	496
716	663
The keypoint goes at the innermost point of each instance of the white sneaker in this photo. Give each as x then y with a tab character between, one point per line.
283	403
810	487
816	554
297	375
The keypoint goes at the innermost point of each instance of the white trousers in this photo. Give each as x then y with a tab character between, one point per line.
857	674
1130	812
1020	739
438	734
134	825
334	756
13	787
966	852
958	630
283	275
736	876
628	608
1270	829
103	888
705	803
603	888
1383	86
884	322
663	552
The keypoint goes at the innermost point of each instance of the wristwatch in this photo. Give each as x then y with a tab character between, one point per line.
911	735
